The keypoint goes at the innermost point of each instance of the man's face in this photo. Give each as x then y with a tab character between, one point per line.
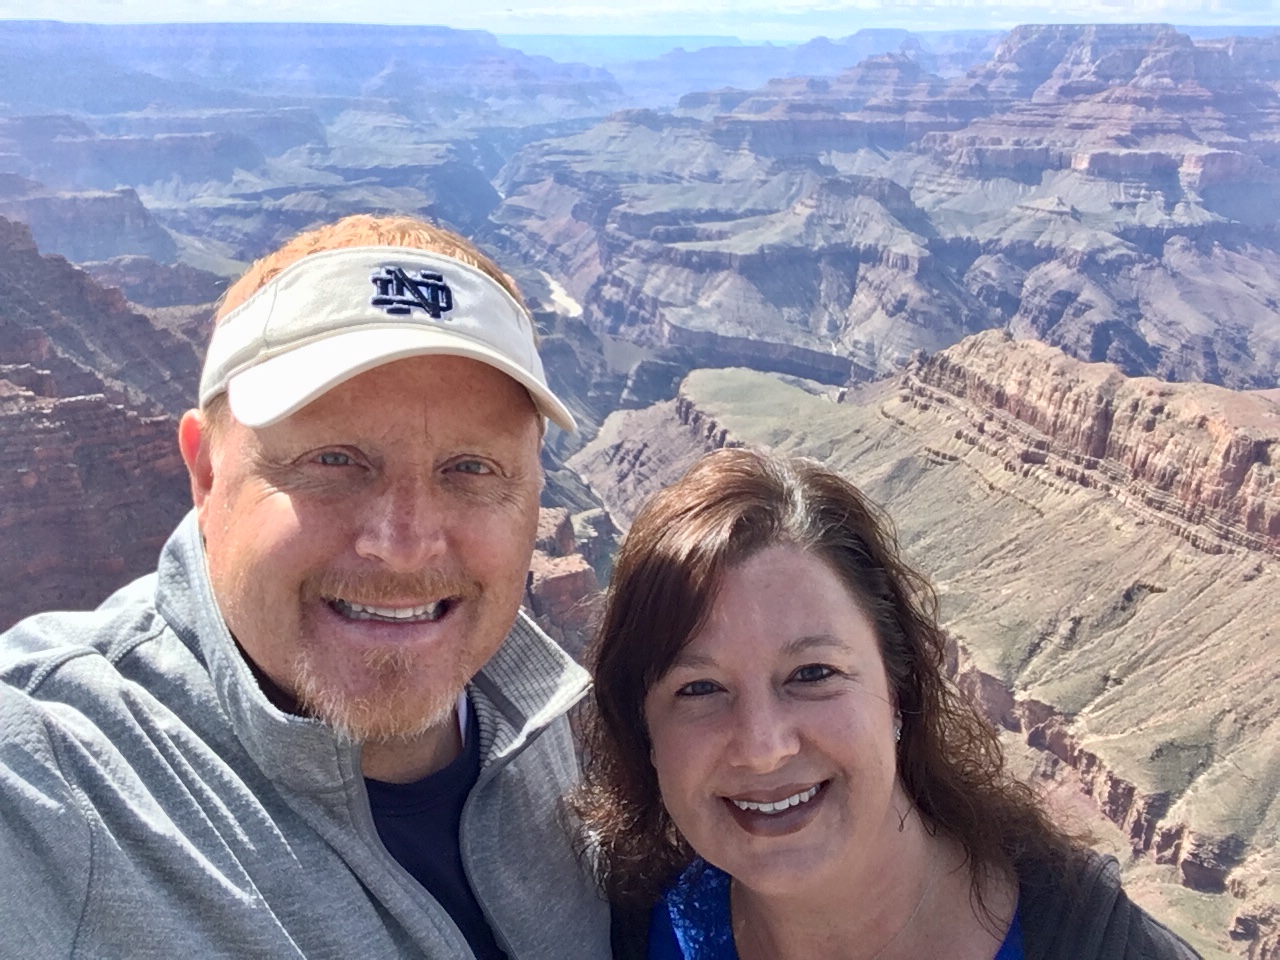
369	552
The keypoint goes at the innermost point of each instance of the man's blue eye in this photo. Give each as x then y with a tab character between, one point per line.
698	688
470	466
335	458
813	673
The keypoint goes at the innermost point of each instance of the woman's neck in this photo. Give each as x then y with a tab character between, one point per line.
907	901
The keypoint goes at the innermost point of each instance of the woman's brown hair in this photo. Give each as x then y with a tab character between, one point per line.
728	507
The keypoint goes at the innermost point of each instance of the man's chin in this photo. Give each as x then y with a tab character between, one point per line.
384	709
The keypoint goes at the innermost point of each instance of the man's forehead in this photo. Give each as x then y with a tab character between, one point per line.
419	393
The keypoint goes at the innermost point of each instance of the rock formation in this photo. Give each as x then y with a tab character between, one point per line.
1109	190
84	225
151	284
563	592
86	336
91	489
89	394
1197	459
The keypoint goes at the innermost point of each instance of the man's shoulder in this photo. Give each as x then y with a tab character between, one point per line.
35	649
84	696
81	676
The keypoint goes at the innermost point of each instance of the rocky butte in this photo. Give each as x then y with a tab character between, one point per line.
1105	549
1111	190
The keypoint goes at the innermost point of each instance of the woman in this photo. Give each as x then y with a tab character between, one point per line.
778	769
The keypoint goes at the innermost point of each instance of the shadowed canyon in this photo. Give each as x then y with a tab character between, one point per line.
1023	288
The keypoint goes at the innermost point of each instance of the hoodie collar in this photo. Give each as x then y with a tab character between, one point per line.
528	683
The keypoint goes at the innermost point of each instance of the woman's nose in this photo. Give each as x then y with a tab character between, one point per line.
764	734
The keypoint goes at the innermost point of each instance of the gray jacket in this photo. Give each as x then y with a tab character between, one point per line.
1090	918
153	803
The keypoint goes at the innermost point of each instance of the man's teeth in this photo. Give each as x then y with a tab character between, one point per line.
777	807
360	611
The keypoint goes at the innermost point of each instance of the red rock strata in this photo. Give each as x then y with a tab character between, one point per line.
93	483
1195	457
562	591
91	489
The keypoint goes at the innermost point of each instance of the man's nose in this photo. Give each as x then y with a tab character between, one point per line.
403	525
764	734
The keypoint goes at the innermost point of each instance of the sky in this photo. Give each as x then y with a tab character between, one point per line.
786	21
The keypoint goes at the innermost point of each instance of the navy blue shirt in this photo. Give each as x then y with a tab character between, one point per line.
692	922
418	823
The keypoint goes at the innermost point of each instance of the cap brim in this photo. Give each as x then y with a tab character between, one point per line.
276	388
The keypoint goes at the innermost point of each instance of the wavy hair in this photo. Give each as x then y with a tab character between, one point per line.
731	505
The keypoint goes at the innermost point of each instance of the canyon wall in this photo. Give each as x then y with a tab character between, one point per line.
1111	190
91	490
1194	457
90	391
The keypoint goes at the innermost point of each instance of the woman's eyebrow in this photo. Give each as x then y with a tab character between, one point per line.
801	644
686	659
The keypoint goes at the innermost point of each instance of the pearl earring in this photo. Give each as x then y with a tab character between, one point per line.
897	728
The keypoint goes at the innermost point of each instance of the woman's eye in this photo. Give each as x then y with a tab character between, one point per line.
335	458
813	673
698	688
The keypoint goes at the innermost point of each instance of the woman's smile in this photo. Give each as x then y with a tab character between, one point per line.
778	818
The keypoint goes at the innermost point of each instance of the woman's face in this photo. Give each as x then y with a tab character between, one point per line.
773	732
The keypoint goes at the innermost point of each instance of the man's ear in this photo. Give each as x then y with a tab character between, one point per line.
195	440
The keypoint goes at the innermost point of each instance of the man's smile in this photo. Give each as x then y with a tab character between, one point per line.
422	613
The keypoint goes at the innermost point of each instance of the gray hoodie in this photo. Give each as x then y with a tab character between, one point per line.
153	803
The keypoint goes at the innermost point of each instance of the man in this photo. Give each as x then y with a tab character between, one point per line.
323	728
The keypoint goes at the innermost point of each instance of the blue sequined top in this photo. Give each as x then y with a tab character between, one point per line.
692	921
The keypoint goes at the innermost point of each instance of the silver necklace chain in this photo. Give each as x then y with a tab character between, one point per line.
933	875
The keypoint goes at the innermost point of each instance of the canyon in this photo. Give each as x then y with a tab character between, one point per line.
1021	287
1110	190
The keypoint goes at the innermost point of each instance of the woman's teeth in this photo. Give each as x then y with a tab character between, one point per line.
778	806
360	611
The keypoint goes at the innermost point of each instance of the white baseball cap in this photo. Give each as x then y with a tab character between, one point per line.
332	315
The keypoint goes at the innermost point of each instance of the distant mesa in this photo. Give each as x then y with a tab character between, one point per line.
85	225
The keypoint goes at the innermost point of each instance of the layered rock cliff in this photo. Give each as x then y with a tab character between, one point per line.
91	489
83	225
151	284
563	593
1111	190
1198	459
56	317
89	394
